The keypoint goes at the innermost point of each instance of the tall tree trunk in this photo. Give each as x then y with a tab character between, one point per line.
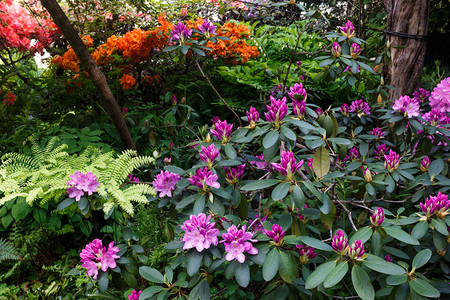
99	79
407	54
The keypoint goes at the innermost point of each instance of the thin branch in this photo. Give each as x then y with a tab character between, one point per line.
349	213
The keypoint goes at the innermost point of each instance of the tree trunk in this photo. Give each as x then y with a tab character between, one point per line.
407	54
96	75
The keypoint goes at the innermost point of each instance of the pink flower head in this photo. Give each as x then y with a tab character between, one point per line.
345	109
259	164
339	242
436	118
336	50
204	179
180	32
209	154
353	154
421	95
299	64
360	107
222	130
94	257
391	161
348	29
234	174
133	178
349	69
377	132
306	253
381	150
276	234
377	217
387	258
355	50
199	233
356	250
174	100
134	295
124	110
258	223
319	111
238	241
300	216
436	205
81	183
167	160
298	92
276	111
407	106
299	108
288	166
165	183
207	28
424	164
440	96
184	11
252	117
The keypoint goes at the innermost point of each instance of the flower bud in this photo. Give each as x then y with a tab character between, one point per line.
425	164
339	242
367	175
336	50
356	251
208	138
377	217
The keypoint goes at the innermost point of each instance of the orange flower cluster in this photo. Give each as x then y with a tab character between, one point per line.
235	50
10	99
69	60
148	79
127	82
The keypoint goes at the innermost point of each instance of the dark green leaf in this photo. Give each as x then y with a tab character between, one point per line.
315	243
271	263
260	184
151	274
287	267
280	191
319	274
396	279
65	204
242	274
380	265
230	151
201	291
440	226
298	197
362	234
423	288
336	275
270	139
361	283
194	262
420	229
148	292
400	235
421	258
103	281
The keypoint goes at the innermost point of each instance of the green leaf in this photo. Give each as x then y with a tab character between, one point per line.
184	49
280	191
288	133
242	274
148	292
287	267
303	124
151	274
362	234
271	264
230	151
83	203
174	169
400	235
326	62
321	162
259	184
378	264
370	189
65	203
103	281
440	226
194	262
420	229
315	243
270	139
186	201
436	167
39	215
298	197
423	288
312	189
201	291
361	283
319	274
340	141
396	279
421	258
364	66
336	275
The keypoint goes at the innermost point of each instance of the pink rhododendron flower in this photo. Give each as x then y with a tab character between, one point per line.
355	50
259	164
339	242
436	205
207	28
306	253
298	92
424	164
299	108
81	183
199	233
276	234
348	29
288	166
377	132
421	95
336	50
409	107
436	118
204	179
356	250
180	32
387	258
276	111
165	183
381	150
377	217
234	174
258	223
392	161
353	154
134	295
238	241
440	96
252	117
94	257
345	109
360	107
209	155
222	130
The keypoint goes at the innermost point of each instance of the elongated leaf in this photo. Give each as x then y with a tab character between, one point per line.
400	235
151	274
321	162
201	291
103	281
319	274
312	189
361	283
420	229
270	139
288	133
380	265
242	274
65	204
336	275
421	258
260	184
396	279
280	191
194	262
287	267
148	292
315	243
298	197
271	263
423	288
362	234
230	151
440	226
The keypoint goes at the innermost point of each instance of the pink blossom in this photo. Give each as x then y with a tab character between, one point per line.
339	242
258	223
348	29
345	109
222	130
252	117
204	179
392	161
356	250
288	166
421	95
199	233
238	241
81	183
259	164
306	253
360	107
165	183
134	295
377	217
381	150
355	50
209	155
207	28
336	50
409	107
353	154
180	32
440	96
234	174
276	234
299	108
377	132
436	118
387	258
436	205
297	92
424	164
94	257
276	111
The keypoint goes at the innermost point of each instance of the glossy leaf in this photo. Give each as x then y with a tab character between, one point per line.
361	283
271	263
319	274
336	275
421	258
378	264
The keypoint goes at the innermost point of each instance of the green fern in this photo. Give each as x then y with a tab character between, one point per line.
7	251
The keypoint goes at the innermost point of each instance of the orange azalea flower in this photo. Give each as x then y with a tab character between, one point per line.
10	99
127	82
88	41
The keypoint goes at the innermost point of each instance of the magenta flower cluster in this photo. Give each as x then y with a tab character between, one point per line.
95	257
356	250
436	205
80	183
436	118
360	107
407	106
234	174
222	130
209	155
207	28
440	96
306	253
421	95
348	29
277	110
381	150
377	217
353	154
180	32
339	242
391	161
259	164
336	50
134	295
165	183
424	164
204	179
199	233
252	117
297	92
377	132
355	50
387	258
345	109
238	241
288	166
276	234
299	108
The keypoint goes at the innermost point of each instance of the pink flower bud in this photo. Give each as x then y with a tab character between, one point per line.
336	50
377	217
356	250
253	117
339	242
348	29
425	164
392	161
355	50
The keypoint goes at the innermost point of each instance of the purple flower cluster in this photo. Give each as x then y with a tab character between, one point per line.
276	234
436	118
349	69
180	32
353	154
391	161
299	108
377	132
238	241
252	117
425	164
345	109
222	130
207	28
134	295
81	183
204	179
348	29
387	258
209	155
258	223
336	50
132	178
199	233
306	253
234	174
380	151
355	50
356	250
94	257
165	183
377	217
440	96
276	111
259	164
407	106
360	107
421	95
339	242
297	92
436	205
288	165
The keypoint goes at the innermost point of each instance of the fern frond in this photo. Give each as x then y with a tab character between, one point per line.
7	251
11	196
